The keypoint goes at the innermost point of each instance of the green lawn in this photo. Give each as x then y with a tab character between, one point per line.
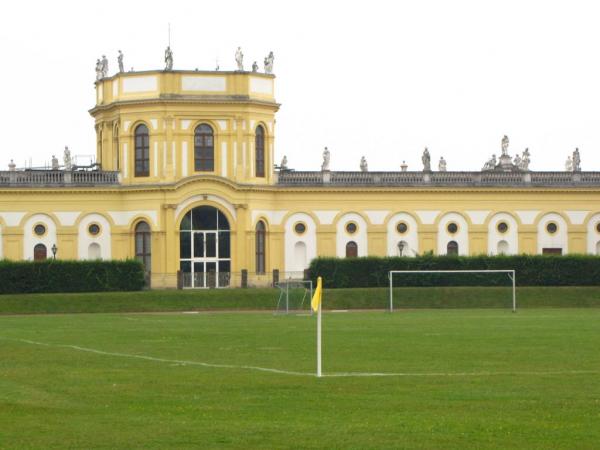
266	299
484	378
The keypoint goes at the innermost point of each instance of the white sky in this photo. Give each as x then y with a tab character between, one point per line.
379	78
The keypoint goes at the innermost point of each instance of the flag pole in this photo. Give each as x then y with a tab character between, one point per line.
319	373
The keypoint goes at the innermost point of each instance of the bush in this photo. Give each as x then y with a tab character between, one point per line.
70	276
531	270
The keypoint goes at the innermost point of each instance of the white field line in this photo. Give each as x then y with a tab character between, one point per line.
310	374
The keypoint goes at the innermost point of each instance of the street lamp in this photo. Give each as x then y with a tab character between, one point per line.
401	247
54	250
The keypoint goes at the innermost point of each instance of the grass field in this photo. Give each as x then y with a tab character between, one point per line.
266	299
484	378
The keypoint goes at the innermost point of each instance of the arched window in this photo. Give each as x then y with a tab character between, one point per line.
143	245
142	151
260	247
117	162
452	248
351	250
94	251
260	151
502	247
40	253
204	149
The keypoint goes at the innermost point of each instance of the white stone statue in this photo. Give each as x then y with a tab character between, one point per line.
168	59
525	160
54	162
120	61
404	166
442	165
569	164
254	67
576	161
12	166
67	159
326	159
517	161
269	63
284	163
98	69
426	159
505	145
104	66
364	167
490	164
239	59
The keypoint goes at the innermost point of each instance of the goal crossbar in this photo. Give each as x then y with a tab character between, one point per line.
510	273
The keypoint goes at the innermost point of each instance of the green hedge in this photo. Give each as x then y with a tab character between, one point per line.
70	276
531	270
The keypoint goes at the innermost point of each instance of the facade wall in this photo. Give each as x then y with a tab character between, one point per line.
387	220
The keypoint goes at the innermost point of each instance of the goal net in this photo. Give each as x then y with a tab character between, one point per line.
294	296
452	288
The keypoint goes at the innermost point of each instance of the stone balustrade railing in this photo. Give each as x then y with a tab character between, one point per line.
34	178
491	178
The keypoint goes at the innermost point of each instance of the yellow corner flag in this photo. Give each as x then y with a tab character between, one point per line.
316	300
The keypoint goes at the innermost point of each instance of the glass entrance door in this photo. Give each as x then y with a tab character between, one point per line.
205	253
206	260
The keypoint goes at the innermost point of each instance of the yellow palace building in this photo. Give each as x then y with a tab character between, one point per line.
186	181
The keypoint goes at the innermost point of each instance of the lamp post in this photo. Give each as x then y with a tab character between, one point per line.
401	247
54	250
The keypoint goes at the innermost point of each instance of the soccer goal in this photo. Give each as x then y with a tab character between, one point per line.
403	278
294	296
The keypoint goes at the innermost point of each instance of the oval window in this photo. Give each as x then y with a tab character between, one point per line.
300	228
551	228
39	229
452	228
502	227
351	228
94	229
401	228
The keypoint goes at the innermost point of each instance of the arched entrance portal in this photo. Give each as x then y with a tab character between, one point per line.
205	248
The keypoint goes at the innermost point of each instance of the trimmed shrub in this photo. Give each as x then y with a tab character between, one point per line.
18	277
531	270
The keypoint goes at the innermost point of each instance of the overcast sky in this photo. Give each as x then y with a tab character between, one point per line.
376	78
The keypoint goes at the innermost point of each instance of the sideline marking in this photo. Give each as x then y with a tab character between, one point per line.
177	362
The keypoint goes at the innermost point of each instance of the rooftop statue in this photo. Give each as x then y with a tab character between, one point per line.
269	63
517	161
254	67
12	166
364	167
569	164
326	158
168	59
442	165
54	162
490	164
524	165
239	59
98	69
104	66
284	163
403	166
505	145
120	61
576	161
67	159
426	159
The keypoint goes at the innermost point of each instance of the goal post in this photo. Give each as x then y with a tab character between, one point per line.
510	273
294	296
